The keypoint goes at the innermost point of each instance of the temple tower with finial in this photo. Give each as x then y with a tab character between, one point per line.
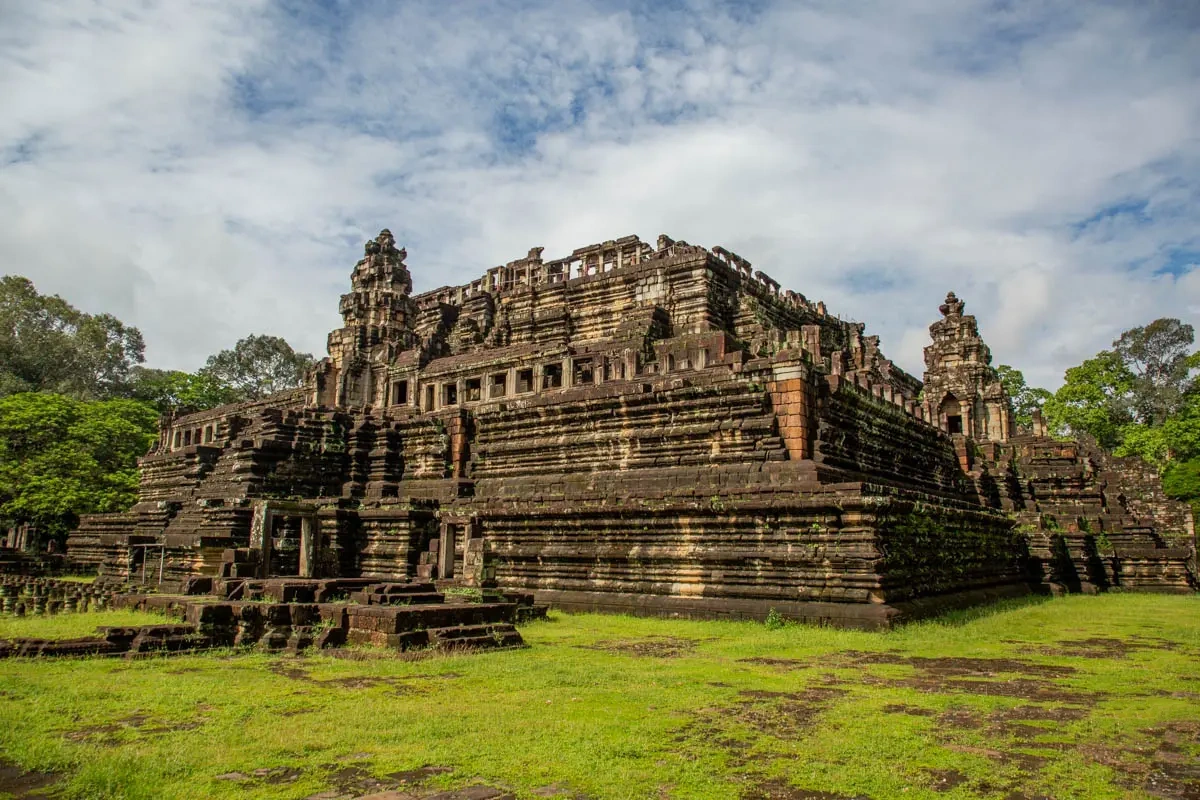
963	393
379	317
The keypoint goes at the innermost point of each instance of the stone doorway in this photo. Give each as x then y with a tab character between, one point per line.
951	412
277	521
455	535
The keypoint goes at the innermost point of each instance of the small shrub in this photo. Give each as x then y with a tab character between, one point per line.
774	620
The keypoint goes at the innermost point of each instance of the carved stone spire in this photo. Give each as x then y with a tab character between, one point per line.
953	307
378	318
962	390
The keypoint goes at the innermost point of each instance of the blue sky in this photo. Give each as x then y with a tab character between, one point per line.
206	170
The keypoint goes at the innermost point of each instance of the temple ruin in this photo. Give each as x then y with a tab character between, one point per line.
640	428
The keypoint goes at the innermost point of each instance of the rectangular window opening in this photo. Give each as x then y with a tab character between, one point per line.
499	386
524	380
551	376
450	394
474	389
584	372
400	393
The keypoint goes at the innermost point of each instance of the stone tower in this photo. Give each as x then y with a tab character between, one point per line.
963	393
379	317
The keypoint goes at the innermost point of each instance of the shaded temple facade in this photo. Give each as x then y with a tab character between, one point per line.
650	428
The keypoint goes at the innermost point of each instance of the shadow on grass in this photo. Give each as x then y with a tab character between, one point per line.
959	617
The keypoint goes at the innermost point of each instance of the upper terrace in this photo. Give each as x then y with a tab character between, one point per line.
603	258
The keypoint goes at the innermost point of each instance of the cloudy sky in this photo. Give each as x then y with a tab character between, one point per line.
206	170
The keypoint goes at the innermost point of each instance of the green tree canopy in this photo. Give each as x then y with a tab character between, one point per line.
1159	357
258	366
1025	398
1181	480
60	457
46	344
1096	398
177	392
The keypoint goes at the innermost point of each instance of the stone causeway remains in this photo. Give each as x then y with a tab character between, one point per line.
280	614
652	429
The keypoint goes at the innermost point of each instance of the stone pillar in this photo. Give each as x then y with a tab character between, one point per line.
308	545
260	536
792	399
446	551
1039	424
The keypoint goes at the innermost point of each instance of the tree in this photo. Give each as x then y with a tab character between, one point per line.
177	392
1025	398
1181	480
60	457
46	344
1159	356
107	353
1096	399
258	366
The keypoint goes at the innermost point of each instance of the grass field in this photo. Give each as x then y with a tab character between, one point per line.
1088	697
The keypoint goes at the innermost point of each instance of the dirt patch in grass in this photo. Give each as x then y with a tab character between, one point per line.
21	784
994	677
778	663
783	715
945	780
1169	770
355	780
786	716
781	790
106	734
1100	647
272	776
420	774
400	685
558	792
963	667
651	647
473	793
1015	736
1014	723
912	711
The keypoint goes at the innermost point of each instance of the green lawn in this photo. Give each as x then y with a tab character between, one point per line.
1088	697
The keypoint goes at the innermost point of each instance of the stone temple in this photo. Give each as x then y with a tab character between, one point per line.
648	429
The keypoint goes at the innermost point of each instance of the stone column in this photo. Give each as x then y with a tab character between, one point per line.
308	545
446	551
260	536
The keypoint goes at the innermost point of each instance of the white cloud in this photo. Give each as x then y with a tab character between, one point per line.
206	170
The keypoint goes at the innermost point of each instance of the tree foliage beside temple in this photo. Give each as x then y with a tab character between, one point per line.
78	407
61	457
1140	398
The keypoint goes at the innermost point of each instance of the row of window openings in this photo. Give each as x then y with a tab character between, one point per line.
552	378
188	438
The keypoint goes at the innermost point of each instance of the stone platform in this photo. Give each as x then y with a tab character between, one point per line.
283	615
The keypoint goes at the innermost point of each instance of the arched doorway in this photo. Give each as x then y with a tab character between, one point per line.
951	414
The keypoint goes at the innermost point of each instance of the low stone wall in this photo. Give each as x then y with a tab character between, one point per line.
295	615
